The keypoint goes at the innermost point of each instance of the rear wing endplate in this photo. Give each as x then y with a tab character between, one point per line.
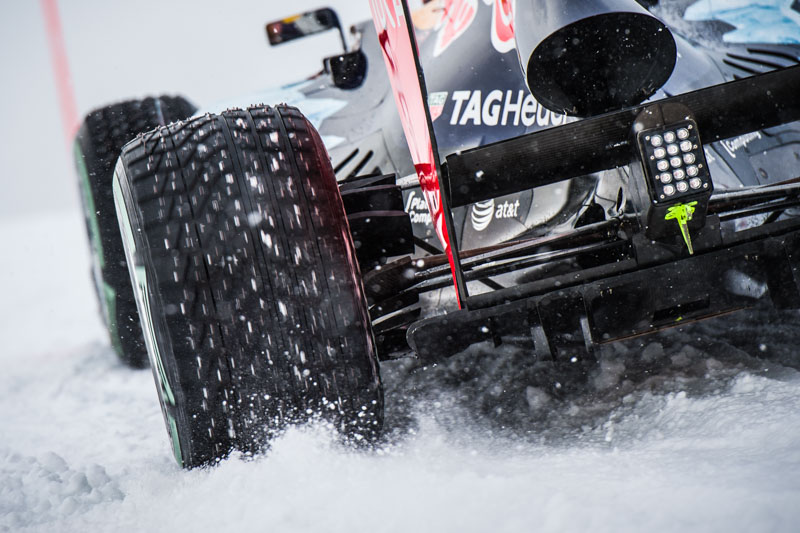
395	30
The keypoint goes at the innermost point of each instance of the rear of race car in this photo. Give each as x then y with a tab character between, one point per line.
665	237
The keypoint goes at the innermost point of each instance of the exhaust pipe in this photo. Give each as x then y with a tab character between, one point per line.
586	58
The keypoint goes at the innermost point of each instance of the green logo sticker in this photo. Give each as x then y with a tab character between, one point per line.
682	214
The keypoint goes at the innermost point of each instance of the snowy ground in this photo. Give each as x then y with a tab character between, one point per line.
688	434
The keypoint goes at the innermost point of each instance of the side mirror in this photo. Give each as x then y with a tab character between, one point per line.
303	25
347	70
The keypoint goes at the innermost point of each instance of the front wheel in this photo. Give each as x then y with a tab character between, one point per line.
246	281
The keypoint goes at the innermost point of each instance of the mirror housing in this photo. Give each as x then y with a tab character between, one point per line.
347	70
303	25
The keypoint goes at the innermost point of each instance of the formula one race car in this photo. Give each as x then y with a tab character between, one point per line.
559	174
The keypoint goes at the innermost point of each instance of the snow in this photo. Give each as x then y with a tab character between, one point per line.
682	432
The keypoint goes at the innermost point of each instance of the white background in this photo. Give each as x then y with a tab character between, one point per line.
205	50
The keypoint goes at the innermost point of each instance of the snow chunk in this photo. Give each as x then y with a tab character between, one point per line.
536	397
35	491
609	375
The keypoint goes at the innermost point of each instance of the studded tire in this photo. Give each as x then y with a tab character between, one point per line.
247	282
97	146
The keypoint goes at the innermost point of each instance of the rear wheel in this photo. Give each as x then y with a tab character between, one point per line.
97	146
247	281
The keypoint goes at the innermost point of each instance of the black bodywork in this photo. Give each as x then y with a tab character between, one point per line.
552	230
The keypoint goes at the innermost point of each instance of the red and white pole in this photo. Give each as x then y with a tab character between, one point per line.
58	56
